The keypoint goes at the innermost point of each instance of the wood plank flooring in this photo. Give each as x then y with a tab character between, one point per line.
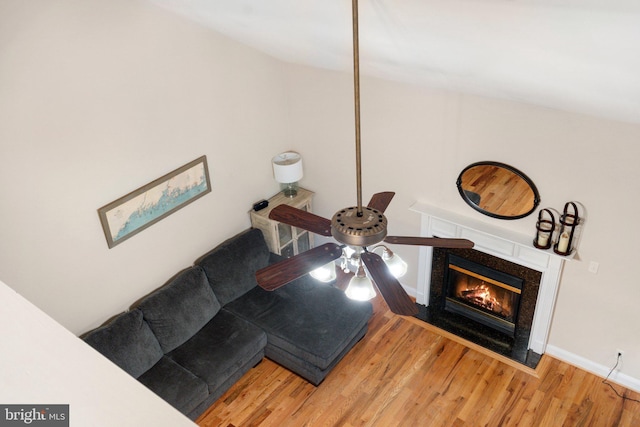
404	374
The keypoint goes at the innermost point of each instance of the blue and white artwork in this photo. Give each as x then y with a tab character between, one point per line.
144	207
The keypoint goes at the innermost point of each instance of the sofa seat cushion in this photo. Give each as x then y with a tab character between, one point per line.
310	320
177	386
181	308
220	348
128	342
231	266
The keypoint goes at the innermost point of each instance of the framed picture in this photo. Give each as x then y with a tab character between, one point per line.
129	215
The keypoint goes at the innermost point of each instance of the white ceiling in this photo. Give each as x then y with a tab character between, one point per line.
573	55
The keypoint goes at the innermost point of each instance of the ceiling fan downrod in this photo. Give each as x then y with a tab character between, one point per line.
356	95
359	225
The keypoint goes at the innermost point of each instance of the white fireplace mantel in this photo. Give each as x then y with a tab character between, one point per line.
500	242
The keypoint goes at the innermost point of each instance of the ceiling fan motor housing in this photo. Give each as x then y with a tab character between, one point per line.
351	229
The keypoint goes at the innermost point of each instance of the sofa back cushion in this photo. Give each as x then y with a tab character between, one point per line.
231	267
181	308
128	342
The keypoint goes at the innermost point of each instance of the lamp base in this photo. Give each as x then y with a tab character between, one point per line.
290	189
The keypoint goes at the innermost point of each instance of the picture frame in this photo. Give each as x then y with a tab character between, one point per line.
127	216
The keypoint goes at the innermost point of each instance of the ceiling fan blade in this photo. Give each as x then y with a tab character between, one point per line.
391	290
301	219
380	201
283	272
430	241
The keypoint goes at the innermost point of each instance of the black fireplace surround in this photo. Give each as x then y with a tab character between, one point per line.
448	312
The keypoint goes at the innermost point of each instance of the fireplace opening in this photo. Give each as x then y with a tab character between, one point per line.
482	294
498	318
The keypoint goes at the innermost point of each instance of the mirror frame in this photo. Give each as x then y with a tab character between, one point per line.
525	178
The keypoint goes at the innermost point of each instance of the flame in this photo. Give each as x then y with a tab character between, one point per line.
481	295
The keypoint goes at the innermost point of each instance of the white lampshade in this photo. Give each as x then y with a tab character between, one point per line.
326	273
396	265
287	167
360	287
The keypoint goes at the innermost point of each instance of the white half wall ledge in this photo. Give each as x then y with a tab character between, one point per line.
42	363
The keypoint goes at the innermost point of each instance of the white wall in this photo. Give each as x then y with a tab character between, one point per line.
416	141
56	367
99	98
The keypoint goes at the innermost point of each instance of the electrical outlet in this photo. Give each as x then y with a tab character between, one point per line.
618	360
593	267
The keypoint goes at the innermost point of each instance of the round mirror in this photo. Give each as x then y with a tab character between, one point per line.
498	190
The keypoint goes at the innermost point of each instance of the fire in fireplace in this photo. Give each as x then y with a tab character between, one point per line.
483	294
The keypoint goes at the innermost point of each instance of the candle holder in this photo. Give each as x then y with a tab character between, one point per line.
568	224
544	230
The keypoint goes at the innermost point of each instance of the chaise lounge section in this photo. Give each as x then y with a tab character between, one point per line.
310	326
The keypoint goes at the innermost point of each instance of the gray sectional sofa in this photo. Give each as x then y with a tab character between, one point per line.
190	340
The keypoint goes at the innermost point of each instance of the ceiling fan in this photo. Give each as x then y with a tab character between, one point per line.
357	227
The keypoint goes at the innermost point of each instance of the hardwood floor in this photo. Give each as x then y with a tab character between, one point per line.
403	374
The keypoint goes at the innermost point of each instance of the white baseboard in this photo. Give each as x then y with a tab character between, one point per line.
595	368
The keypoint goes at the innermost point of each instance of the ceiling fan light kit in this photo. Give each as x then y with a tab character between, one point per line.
287	170
396	265
356	228
360	287
326	273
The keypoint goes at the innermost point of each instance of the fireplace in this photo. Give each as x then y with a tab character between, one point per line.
482	294
483	299
541	271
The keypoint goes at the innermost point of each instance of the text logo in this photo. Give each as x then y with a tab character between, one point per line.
34	415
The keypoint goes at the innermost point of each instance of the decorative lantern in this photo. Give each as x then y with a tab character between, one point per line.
568	224
544	230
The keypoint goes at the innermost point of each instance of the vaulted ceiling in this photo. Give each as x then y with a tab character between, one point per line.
573	55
